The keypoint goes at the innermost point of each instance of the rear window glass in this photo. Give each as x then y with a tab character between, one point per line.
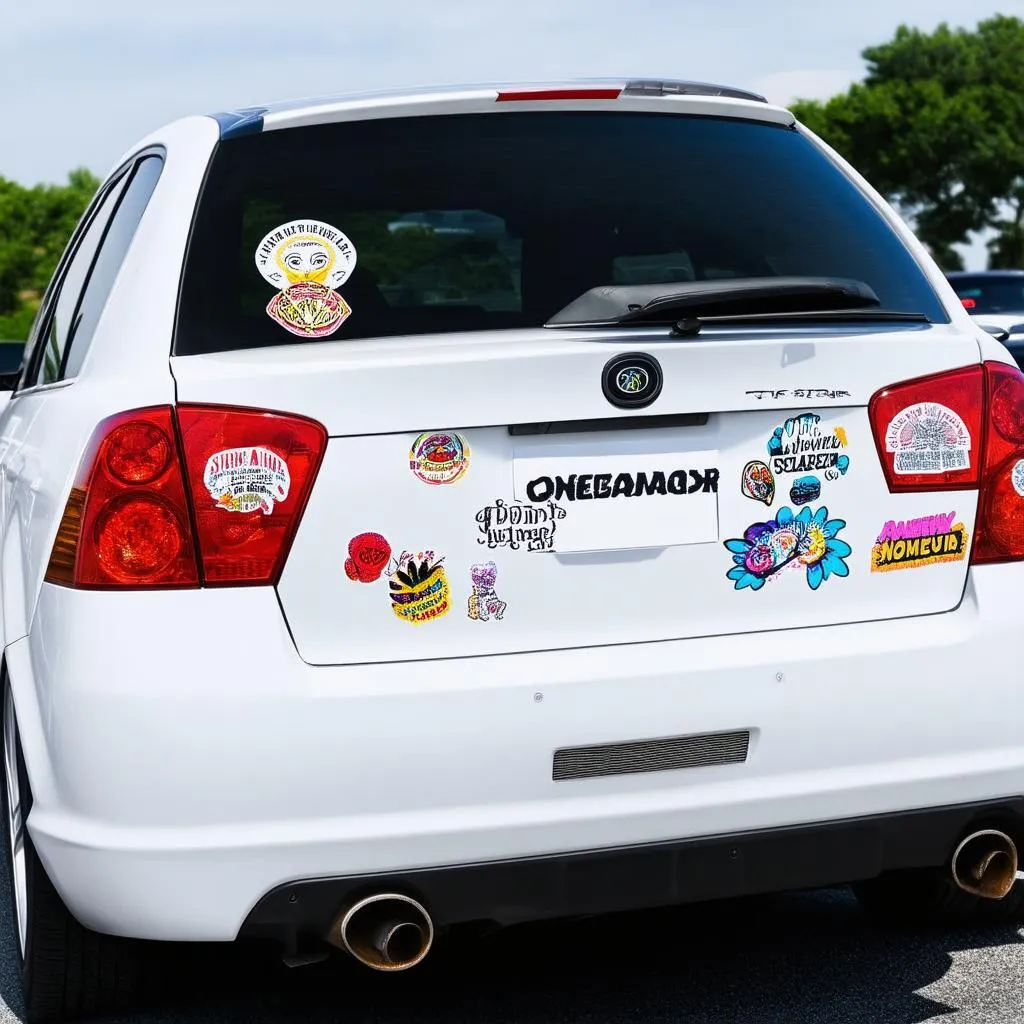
991	293
496	221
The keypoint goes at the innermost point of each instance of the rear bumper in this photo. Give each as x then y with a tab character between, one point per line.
662	874
185	762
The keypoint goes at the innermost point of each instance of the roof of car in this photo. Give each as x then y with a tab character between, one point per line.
697	96
955	274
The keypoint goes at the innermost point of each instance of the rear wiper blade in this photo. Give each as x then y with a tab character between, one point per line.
617	305
691	325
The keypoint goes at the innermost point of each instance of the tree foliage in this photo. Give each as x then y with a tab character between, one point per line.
35	224
937	126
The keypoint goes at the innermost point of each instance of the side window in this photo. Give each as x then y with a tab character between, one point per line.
82	292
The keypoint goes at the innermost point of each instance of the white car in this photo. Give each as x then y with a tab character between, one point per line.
339	614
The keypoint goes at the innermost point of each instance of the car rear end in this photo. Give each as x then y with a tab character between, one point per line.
410	594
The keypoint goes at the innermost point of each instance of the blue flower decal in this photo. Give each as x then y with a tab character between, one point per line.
809	539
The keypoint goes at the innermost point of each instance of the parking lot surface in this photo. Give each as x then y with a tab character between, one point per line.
776	960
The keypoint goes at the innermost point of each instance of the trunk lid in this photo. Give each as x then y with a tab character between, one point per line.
480	495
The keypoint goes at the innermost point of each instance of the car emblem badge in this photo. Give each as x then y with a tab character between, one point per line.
632	380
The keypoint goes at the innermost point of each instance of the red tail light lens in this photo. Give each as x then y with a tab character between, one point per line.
520	95
249	474
999	533
975	416
218	508
127	523
913	421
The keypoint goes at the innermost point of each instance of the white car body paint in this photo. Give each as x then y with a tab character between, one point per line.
189	751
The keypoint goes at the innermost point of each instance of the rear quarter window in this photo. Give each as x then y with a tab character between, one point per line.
489	222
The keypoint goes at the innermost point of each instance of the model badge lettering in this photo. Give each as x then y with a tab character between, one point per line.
584	486
247	479
928	438
910	543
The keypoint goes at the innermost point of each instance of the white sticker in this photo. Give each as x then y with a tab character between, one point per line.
1017	477
928	438
247	479
303	251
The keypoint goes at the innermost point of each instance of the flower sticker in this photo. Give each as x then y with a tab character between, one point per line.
808	540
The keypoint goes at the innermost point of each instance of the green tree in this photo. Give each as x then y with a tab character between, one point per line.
35	224
937	126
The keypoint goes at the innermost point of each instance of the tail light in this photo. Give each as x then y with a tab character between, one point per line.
208	496
976	417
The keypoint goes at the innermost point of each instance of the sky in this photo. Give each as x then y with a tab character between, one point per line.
82	80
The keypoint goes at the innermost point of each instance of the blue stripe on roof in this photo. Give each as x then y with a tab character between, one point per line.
247	121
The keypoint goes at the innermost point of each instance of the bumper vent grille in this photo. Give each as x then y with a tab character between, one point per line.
662	755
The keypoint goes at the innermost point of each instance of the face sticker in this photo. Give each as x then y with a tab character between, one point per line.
805	489
307	260
368	555
803	445
247	479
515	525
928	438
1017	477
484	602
439	458
908	544
808	541
757	482
419	587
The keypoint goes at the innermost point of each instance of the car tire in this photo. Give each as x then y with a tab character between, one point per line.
68	971
930	896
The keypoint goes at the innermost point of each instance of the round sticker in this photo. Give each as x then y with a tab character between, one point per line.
1017	477
304	251
439	458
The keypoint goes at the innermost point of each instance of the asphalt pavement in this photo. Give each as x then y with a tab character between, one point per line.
792	959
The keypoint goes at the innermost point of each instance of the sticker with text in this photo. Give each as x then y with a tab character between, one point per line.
803	445
910	543
419	587
580	487
757	482
808	540
515	525
368	555
1017	477
805	489
439	458
928	438
307	260
247	479
484	603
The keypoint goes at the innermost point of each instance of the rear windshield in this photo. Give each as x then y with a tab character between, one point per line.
496	221
991	293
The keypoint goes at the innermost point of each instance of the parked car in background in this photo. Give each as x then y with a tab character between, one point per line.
658	542
995	299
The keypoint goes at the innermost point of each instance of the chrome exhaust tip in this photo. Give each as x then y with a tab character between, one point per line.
387	931
985	864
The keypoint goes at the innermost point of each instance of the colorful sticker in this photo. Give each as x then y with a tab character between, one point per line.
515	525
808	540
439	458
757	482
908	544
805	489
307	260
419	588
928	438
247	479
483	599
802	445
1017	477
368	555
